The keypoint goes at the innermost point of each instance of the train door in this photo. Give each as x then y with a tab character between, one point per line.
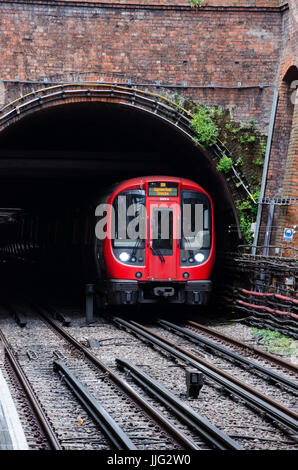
163	240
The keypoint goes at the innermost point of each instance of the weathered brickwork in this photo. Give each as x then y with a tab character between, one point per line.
282	172
225	42
171	46
178	3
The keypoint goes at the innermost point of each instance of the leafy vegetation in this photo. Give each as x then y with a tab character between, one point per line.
246	149
258	161
250	138
276	342
196	3
204	126
248	212
225	164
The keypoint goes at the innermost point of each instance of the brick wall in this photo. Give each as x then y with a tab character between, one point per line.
173	46
224	42
185	3
282	172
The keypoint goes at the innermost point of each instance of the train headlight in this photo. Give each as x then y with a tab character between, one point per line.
124	256
199	257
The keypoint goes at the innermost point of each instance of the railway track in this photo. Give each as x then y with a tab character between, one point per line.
44	434
253	397
245	348
283	326
119	430
154	375
207	344
214	437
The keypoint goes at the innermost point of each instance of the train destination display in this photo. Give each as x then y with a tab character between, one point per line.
160	189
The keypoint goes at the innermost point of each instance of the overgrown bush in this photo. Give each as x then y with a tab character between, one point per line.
204	126
248	210
196	3
225	164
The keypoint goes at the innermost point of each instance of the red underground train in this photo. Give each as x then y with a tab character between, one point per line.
158	242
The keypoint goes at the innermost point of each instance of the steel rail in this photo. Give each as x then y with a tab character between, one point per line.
252	349
178	435
202	426
278	378
46	427
107	424
252	396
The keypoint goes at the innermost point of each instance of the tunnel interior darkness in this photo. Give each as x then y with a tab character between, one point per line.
66	155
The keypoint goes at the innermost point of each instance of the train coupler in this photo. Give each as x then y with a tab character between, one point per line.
164	291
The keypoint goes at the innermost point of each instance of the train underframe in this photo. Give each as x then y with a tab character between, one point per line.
131	292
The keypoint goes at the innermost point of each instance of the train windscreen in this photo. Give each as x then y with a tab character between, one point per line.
129	219
196	221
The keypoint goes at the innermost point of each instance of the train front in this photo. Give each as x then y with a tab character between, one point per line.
160	244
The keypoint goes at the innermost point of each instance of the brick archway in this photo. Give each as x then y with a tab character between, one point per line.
152	104
160	106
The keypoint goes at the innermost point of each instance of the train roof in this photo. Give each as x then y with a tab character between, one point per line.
172	179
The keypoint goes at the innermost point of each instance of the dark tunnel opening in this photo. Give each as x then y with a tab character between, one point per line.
64	157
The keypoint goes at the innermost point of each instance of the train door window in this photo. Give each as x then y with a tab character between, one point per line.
162	231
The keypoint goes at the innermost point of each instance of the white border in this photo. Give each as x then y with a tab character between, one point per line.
15	429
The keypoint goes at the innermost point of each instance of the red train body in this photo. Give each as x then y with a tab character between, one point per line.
147	268
151	269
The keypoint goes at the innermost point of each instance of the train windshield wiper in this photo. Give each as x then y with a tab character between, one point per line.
135	247
189	250
158	253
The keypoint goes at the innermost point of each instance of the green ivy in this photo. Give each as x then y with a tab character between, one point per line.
217	111
258	161
245	227
204	127
196	3
252	123
248	211
254	207
250	138
225	164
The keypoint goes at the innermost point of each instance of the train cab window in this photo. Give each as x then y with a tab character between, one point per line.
129	220
162	225
196	221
